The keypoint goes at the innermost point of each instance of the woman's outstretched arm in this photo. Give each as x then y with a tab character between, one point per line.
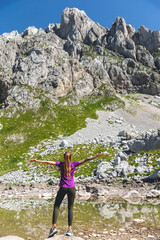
91	158
43	162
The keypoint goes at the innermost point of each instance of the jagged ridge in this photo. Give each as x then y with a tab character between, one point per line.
77	55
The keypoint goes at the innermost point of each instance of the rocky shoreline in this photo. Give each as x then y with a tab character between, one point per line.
130	191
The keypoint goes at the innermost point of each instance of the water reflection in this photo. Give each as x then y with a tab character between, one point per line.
124	212
26	218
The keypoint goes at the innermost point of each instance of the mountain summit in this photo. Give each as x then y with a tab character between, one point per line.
77	56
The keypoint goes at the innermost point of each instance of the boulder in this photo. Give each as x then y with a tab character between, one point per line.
122	168
153	177
153	194
126	135
133	194
102	168
63	237
117	161
64	144
150	141
122	156
11	237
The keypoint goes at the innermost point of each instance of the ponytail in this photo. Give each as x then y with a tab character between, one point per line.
67	166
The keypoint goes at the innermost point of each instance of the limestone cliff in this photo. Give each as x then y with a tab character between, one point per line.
77	56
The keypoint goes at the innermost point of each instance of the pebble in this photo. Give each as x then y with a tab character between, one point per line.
46	195
138	220
122	230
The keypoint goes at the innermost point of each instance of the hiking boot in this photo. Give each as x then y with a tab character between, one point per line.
52	232
69	232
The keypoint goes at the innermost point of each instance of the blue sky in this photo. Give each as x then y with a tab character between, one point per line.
19	14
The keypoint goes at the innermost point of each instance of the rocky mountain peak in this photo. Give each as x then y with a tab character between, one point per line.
78	56
119	26
148	38
76	25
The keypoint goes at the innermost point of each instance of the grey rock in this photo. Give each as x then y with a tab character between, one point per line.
153	177
11	237
151	88
144	57
140	78
74	49
140	169
102	168
157	63
117	161
122	168
64	144
30	31
131	30
118	78
128	49
50	28
42	60
119	40
129	63
118	33
148	142
61	237
126	135
133	194
12	35
77	26
22	98
123	156
153	193
148	38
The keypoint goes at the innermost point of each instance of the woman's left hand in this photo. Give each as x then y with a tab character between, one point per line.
32	160
100	155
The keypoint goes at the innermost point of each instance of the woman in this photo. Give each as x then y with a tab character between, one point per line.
67	186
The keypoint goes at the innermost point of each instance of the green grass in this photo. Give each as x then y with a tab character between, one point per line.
49	121
79	152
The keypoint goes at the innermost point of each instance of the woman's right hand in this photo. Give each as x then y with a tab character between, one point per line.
32	160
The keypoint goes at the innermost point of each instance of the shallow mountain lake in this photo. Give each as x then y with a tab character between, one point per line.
31	219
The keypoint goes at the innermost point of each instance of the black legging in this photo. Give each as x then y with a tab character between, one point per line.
59	198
